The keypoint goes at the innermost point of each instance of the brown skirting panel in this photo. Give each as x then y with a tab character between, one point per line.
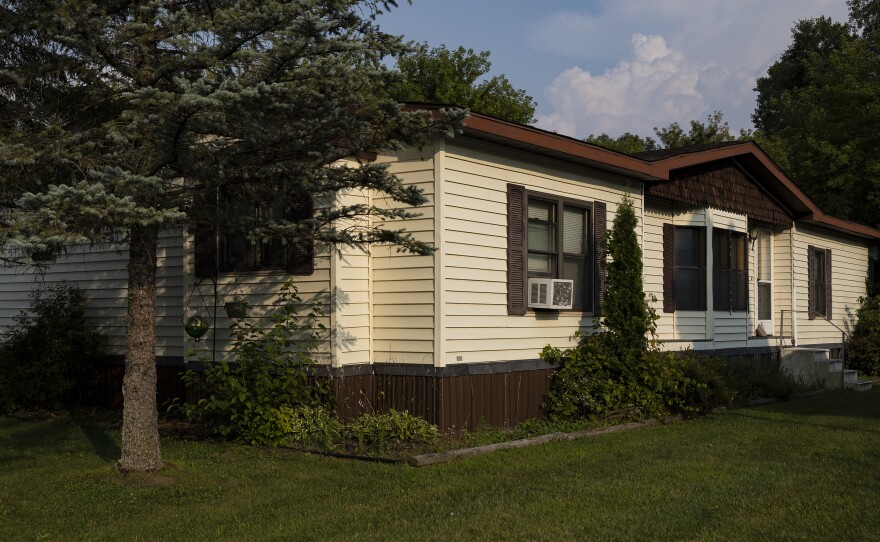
453	402
108	392
453	398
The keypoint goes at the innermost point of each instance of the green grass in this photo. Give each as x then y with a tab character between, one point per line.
804	470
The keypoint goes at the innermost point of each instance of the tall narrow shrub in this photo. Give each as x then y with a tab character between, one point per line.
628	316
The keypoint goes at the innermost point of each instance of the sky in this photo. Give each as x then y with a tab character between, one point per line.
618	66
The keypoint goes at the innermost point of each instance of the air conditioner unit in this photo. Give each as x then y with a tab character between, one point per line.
550	293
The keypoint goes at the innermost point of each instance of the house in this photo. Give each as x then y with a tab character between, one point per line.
739	260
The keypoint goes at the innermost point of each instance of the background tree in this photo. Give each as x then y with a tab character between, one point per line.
459	77
714	130
121	119
627	142
819	107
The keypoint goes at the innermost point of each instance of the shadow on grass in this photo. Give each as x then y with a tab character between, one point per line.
24	439
863	411
103	445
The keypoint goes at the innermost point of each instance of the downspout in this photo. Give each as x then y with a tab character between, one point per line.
709	221
439	265
642	219
793	287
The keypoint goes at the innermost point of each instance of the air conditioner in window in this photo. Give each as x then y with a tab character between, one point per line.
551	293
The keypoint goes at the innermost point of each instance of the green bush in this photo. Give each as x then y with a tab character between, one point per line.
592	384
255	399
708	383
619	372
863	347
762	380
391	431
49	355
313	427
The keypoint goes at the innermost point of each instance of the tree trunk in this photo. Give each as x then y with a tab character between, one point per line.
140	427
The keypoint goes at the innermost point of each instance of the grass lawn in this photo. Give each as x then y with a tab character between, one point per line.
803	470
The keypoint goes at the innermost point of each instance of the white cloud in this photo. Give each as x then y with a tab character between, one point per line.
745	33
685	59
657	85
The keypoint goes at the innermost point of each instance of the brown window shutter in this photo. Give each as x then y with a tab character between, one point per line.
205	241
668	268
600	224
811	279
301	256
516	249
828	303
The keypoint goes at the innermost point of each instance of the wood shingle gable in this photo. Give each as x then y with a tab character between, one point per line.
722	185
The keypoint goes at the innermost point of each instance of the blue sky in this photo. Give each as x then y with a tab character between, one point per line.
620	65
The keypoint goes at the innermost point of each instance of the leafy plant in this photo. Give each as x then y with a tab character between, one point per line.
255	399
760	380
393	430
709	385
314	426
50	351
863	347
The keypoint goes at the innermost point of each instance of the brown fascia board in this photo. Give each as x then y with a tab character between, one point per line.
562	147
545	143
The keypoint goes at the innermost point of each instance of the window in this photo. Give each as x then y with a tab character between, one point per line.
763	253
690	268
874	271
240	254
819	287
557	244
229	250
729	271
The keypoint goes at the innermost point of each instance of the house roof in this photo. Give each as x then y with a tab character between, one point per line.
662	154
656	166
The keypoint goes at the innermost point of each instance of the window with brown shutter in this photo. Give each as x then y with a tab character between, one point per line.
730	275
668	268
233	251
205	241
516	249
553	237
819	295
600	221
684	268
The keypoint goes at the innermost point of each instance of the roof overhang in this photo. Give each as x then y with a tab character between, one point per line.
748	155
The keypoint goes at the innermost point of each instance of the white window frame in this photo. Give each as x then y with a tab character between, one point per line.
768	324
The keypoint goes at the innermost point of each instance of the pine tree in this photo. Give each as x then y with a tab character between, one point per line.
121	119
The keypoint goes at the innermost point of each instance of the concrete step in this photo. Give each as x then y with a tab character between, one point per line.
817	354
850	375
860	385
821	354
835	365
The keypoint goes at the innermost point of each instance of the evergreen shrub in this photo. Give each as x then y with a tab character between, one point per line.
49	356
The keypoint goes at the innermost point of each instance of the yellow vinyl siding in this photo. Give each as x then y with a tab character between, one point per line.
782	283
102	274
849	268
402	285
473	253
351	310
